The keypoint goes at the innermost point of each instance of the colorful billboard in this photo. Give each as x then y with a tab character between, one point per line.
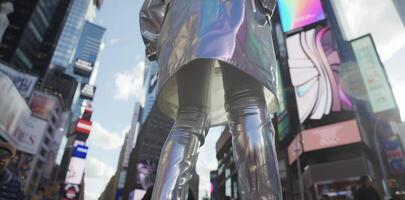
43	104
296	14
337	134
315	67
372	71
146	171
29	134
333	135
70	192
394	154
77	165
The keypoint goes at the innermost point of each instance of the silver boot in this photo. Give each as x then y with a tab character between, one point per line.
179	155
254	152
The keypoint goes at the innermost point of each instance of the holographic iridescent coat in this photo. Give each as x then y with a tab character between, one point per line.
233	31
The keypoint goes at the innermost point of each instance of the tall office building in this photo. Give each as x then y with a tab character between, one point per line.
70	35
154	127
30	38
81	68
83	63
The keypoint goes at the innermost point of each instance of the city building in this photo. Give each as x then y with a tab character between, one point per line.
69	38
33	30
81	68
150	83
329	128
153	129
225	181
84	62
116	187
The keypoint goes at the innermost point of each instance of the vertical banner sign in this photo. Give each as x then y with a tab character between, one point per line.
376	83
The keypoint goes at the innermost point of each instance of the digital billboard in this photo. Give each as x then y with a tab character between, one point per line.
372	71
77	165
297	14
42	104
315	69
336	134
145	176
394	154
70	192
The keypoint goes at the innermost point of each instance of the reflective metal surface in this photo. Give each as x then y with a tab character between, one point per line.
254	152
179	156
232	31
252	137
250	125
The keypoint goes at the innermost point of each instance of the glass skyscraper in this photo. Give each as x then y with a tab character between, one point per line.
70	35
29	40
84	59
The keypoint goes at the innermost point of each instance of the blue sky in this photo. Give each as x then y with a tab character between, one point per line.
121	70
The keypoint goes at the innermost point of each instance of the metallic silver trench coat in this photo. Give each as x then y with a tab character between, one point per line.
233	31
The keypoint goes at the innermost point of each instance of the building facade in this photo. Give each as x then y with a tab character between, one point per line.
32	33
70	35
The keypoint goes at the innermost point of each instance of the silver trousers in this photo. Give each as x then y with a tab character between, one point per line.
250	127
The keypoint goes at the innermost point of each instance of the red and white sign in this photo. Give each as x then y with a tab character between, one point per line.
337	134
83	126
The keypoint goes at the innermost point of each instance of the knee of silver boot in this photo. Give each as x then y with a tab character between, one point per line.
254	151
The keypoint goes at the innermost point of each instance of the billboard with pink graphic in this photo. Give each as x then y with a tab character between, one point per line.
337	134
316	74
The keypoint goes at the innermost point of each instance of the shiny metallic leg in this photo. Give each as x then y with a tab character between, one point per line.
179	156
255	155
252	137
180	152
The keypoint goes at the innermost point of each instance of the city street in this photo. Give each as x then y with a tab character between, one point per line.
202	99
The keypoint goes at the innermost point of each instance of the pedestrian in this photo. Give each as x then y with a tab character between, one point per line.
10	185
366	191
216	64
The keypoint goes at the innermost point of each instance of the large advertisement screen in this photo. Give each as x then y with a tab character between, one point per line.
394	154
297	14
323	137
29	134
315	69
145	176
378	90
42	104
77	165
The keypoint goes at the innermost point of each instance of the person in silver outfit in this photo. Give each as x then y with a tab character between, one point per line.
213	53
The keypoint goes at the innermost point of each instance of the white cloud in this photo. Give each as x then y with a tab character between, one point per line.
128	84
105	139
97	175
96	169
